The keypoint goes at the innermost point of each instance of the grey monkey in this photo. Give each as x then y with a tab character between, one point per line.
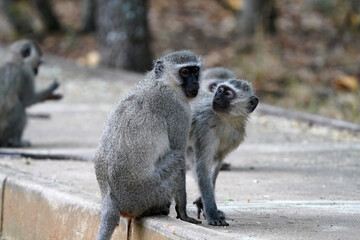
209	79
212	76
218	127
140	160
17	91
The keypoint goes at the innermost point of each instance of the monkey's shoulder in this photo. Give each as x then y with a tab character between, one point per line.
203	115
12	71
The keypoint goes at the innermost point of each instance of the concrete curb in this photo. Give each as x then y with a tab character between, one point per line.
38	209
267	109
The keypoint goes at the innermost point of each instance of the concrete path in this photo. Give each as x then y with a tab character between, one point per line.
288	180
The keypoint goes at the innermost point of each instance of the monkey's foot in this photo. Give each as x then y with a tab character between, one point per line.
225	167
19	144
221	214
181	213
188	219
200	208
218	222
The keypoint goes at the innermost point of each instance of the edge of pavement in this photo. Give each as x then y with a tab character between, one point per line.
34	208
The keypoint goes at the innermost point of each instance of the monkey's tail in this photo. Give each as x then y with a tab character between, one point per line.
41	156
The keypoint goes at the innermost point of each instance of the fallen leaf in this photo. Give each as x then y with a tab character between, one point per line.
346	83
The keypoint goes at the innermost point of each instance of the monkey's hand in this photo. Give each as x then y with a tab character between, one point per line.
55	96
183	216
200	208
54	85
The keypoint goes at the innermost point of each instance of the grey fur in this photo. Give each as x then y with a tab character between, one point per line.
17	91
212	137
215	75
140	160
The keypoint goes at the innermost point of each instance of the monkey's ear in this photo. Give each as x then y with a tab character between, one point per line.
159	68
25	50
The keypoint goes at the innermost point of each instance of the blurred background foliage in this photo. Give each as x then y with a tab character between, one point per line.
300	54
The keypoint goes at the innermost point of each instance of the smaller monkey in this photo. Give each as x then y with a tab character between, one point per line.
212	76
218	128
17	91
209	79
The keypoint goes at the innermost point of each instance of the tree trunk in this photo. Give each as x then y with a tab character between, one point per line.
258	13
123	34
88	16
47	15
17	17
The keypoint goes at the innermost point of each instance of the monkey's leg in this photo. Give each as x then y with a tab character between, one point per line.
157	210
198	202
110	216
15	126
172	174
207	194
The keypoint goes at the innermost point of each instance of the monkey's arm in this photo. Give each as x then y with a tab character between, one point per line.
198	202
215	173
29	96
206	180
178	142
180	194
45	94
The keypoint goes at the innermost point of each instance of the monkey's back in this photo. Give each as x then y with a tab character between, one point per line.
11	81
135	139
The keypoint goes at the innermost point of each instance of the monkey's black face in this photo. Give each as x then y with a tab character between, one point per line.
190	78
36	70
223	97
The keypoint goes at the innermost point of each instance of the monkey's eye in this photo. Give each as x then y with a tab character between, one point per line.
229	93
195	71
184	72
220	90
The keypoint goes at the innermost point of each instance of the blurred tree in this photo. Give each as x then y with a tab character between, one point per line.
88	16
15	12
258	13
123	34
254	14
47	15
19	15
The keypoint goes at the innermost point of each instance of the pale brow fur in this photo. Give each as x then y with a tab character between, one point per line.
213	76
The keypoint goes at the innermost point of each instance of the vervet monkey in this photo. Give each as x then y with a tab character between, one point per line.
140	160
218	127
17	91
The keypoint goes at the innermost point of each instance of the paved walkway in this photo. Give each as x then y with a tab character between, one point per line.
288	180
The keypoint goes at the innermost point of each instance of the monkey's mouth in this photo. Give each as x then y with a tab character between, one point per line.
192	93
218	107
